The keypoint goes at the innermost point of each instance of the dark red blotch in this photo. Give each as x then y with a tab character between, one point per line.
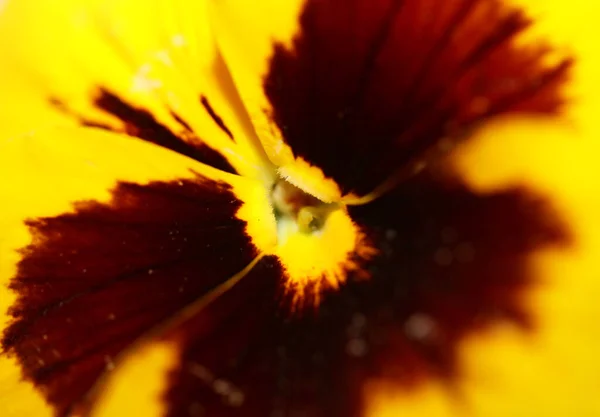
140	123
451	263
95	280
372	87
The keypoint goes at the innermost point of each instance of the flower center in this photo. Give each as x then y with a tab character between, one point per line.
317	243
297	211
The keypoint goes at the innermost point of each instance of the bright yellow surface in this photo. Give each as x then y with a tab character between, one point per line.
310	179
137	386
572	28
19	399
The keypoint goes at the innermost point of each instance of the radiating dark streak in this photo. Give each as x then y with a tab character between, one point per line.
373	53
427	146
141	123
182	122
59	104
427	65
84	121
510	26
532	89
422	149
429	138
485	48
98	125
489	44
216	118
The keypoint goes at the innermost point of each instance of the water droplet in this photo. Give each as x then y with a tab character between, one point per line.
236	398
357	347
420	327
222	387
110	365
390	234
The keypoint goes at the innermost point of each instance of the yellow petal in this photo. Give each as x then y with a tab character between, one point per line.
158	56
556	373
137	386
247	33
559	366
49	172
571	28
21	399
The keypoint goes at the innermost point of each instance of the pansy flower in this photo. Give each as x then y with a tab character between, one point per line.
299	208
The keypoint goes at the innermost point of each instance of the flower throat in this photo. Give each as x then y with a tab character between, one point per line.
293	205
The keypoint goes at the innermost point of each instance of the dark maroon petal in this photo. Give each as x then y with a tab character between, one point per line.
451	263
371	87
95	280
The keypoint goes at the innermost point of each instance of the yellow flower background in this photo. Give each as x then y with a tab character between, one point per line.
59	148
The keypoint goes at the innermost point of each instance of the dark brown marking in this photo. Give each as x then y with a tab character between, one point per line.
182	122
141	124
378	84
83	120
93	281
451	263
216	118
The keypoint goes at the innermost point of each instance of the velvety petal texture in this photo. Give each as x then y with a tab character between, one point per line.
318	208
85	264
